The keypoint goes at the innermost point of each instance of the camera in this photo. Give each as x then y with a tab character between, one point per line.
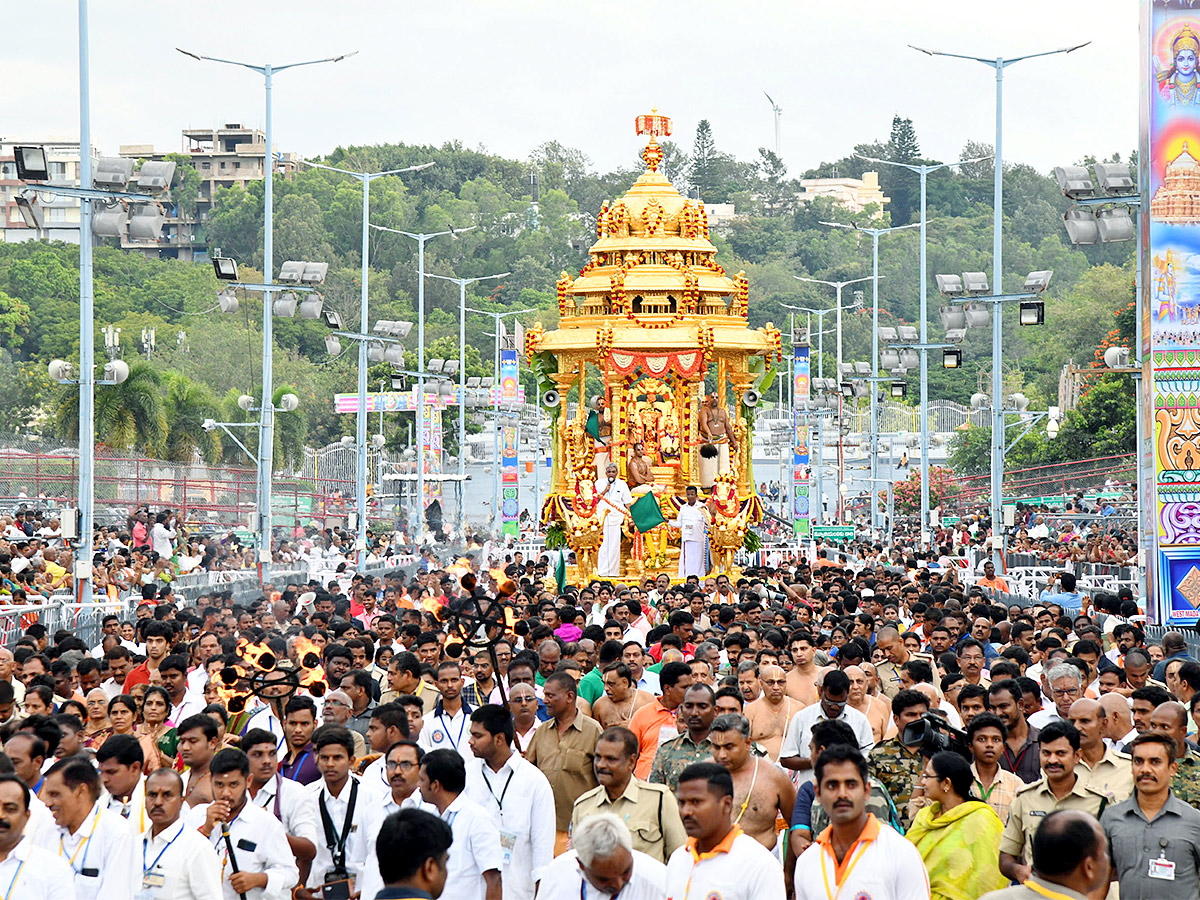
337	884
935	734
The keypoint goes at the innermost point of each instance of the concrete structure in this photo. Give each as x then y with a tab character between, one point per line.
223	157
61	213
719	214
856	194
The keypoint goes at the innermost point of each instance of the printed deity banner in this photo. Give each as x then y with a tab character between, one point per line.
801	504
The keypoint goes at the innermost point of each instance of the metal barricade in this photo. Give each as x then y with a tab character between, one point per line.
84	620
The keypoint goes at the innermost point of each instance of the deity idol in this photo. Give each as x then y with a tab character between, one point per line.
1178	84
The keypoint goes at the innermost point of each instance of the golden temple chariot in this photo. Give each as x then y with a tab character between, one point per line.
650	328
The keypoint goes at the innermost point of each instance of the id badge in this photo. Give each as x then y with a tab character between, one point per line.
1162	869
508	840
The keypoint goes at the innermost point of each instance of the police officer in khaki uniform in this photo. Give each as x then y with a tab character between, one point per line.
1070	860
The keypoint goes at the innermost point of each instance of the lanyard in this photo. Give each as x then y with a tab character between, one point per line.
582	889
16	875
1045	892
499	800
295	767
845	875
336	843
145	843
461	726
85	846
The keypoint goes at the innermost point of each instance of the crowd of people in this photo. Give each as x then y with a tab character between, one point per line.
845	727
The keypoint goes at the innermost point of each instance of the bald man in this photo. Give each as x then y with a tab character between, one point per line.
769	714
877	710
1118	720
1101	767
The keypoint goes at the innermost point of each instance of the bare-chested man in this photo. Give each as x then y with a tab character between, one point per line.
802	679
715	425
621	698
761	791
770	714
877	711
637	470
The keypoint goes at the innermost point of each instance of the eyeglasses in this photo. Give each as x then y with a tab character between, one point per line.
1065	692
336	703
405	766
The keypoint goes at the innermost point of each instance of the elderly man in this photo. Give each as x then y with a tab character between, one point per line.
604	860
613	509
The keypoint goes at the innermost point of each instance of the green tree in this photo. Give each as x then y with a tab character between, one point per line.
187	405
14	321
902	185
185	186
26	388
128	416
708	164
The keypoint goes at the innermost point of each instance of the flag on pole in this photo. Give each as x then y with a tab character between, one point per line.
560	570
646	513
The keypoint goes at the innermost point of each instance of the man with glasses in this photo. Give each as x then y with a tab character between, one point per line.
1066	686
835	694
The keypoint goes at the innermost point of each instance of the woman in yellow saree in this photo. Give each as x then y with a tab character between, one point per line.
957	835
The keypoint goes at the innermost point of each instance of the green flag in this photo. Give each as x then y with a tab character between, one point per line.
646	512
593	424
560	569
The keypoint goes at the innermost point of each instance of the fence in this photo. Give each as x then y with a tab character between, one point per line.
1050	484
58	613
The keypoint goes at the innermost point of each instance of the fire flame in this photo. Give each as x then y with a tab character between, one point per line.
308	657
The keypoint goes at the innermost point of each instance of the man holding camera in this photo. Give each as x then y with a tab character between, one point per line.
897	764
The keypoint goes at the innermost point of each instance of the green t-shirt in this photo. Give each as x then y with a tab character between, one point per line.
591	686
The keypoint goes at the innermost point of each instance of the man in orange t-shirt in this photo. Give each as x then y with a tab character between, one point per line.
656	722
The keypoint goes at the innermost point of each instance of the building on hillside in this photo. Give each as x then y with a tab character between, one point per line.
855	194
223	157
60	214
720	214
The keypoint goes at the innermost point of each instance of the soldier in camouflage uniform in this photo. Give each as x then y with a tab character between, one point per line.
673	756
1186	783
899	766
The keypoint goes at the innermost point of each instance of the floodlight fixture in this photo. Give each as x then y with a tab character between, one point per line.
950	285
290	272
377	441
889	358
486	382
956	335
1075	182
333	346
146	222
346	441
108	220
1033	312
245	401
332	318
1082	227
910	358
399	383
1116	357
977	315
285	305
976	284
980	400
310	307
899	389
436	365
862	389
1019	401
116	371
375	352
953	316
845	369
288	403
209	424
908	333
401	329
862	369
303	272
951	358
887	334
1037	282
451	367
31	164
847	389
383	326
1115	179
445	389
225	268
473	381
112	172
30	209
61	370
155	176
1115	225
394	354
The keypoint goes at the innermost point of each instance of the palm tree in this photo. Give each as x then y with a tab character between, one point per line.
188	404
128	416
291	429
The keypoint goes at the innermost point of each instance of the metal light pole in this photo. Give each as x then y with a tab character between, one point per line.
999	64
496	318
266	432
462	381
874	233
836	285
924	171
360	480
87	326
421	239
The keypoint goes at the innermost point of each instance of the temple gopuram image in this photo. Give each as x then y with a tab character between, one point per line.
1177	202
651	370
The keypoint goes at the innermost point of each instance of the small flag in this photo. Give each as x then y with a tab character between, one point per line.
560	570
646	512
593	424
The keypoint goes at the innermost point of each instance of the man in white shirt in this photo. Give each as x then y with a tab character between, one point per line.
692	522
517	798
602	865
120	759
341	807
388	726
177	863
285	799
256	841
27	871
96	843
473	872
834	694
613	509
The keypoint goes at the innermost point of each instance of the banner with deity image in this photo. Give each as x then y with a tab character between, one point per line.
801	506
1169	181
510	506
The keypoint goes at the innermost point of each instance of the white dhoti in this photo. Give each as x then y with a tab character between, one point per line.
693	536
691	559
602	458
709	468
613	505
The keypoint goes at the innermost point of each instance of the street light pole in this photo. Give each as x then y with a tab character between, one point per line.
999	64
266	432
836	285
360	480
462	382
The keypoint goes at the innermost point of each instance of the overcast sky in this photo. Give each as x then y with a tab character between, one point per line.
507	75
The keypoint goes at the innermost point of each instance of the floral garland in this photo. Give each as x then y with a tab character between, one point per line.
616	290
652	216
709	263
604	340
703	222
689	221
773	335
706	340
562	286
742	297
533	340
602	221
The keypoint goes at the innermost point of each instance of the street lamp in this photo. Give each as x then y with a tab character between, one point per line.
360	479
421	239
837	286
462	384
266	438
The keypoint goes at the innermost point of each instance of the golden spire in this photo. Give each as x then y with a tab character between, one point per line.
655	126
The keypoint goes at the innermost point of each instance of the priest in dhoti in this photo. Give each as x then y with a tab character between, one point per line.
613	508
692	523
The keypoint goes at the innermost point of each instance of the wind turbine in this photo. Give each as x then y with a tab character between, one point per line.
778	110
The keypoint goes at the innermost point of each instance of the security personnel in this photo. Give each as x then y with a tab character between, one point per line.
120	759
26	871
177	862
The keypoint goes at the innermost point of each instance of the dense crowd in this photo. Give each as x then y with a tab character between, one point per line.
852	726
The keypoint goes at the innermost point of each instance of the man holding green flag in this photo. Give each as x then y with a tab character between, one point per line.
615	500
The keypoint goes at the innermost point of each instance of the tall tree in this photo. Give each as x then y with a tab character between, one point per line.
902	185
706	163
778	192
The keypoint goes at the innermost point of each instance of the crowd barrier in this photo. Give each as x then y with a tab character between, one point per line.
84	620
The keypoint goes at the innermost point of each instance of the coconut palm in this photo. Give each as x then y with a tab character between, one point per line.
188	404
128	416
291	429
